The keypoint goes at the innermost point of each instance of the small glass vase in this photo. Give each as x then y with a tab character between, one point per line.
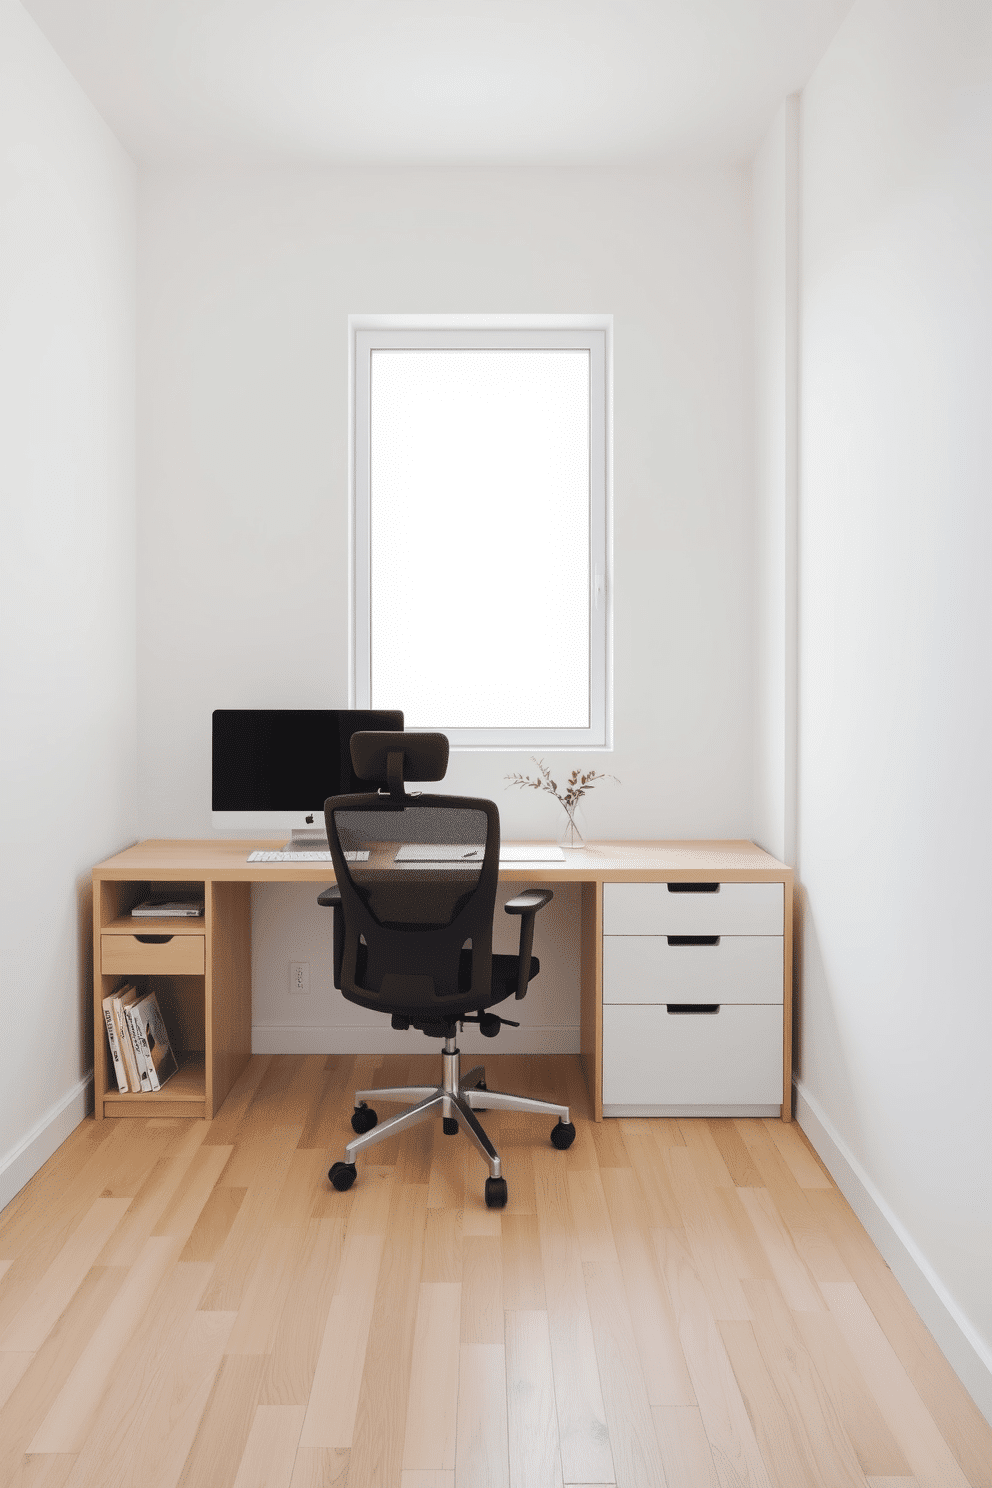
571	834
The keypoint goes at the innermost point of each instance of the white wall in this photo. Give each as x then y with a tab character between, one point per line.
245	285
774	182
895	626
67	252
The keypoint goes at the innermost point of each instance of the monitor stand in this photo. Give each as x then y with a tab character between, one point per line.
307	839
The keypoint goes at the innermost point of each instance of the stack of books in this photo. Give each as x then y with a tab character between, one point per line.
142	1055
169	909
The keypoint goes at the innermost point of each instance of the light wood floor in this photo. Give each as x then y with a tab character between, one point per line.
680	1302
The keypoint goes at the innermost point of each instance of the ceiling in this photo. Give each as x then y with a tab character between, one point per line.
439	80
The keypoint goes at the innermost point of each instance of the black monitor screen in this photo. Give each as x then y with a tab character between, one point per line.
288	759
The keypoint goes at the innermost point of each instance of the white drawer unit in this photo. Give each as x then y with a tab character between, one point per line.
692	1063
693	909
693	994
684	968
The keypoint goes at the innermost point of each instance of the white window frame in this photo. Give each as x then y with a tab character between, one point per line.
594	333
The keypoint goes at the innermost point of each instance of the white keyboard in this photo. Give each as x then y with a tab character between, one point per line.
303	857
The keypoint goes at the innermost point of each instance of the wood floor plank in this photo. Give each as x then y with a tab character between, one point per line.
65	1427
443	1243
802	1162
333	1401
584	1438
12	1367
238	1258
663	1365
870	1437
415	1479
646	1156
793	1205
270	1451
633	1440
930	1458
816	1421
39	1386
710	1259
591	1217
523	1271
745	1253
482	1290
223	1429
532	1418
433	1394
228	1121
380	1421
181	1215
481	1447
41	1309
113	1447
773	1427
708	1160
788	1269
166	1177
320	1467
213	1226
733	1150
961	1423
50	1470
292	1360
182	1402
735	1451
685	1451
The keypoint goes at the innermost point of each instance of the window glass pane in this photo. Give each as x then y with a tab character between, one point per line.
479	537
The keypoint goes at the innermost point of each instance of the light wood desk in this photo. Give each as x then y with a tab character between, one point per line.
203	971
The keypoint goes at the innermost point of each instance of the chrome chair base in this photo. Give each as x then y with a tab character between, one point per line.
457	1098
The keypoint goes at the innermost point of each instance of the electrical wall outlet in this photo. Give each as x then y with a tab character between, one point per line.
299	978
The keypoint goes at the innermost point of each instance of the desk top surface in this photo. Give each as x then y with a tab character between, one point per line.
225	860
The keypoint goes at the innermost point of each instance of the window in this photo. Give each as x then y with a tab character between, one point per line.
481	530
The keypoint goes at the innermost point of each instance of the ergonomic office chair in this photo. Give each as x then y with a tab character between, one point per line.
413	926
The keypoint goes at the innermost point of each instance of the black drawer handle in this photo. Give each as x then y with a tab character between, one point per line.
693	1007
153	939
677	940
694	888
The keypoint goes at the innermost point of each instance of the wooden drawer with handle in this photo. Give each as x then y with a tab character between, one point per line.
166	955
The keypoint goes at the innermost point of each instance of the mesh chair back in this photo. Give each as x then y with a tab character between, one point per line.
417	898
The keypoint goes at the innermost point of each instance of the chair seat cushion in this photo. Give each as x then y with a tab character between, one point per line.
504	975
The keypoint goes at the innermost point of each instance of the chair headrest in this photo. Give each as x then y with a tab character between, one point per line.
425	756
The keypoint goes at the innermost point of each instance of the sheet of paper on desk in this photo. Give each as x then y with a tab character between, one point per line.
439	852
428	852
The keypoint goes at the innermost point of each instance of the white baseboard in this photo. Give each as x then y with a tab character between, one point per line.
363	1039
46	1137
964	1350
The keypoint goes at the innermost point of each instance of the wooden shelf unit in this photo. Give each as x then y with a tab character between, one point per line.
200	970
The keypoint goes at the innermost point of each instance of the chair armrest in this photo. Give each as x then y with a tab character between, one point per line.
331	899
530	899
526	906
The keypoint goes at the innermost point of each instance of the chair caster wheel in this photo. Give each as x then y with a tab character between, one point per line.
342	1175
562	1135
450	1126
496	1194
481	1086
364	1119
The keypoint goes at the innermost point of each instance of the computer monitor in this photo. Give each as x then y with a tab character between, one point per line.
273	768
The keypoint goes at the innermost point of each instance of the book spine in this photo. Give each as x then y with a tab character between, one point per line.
108	1018
138	1040
124	1039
